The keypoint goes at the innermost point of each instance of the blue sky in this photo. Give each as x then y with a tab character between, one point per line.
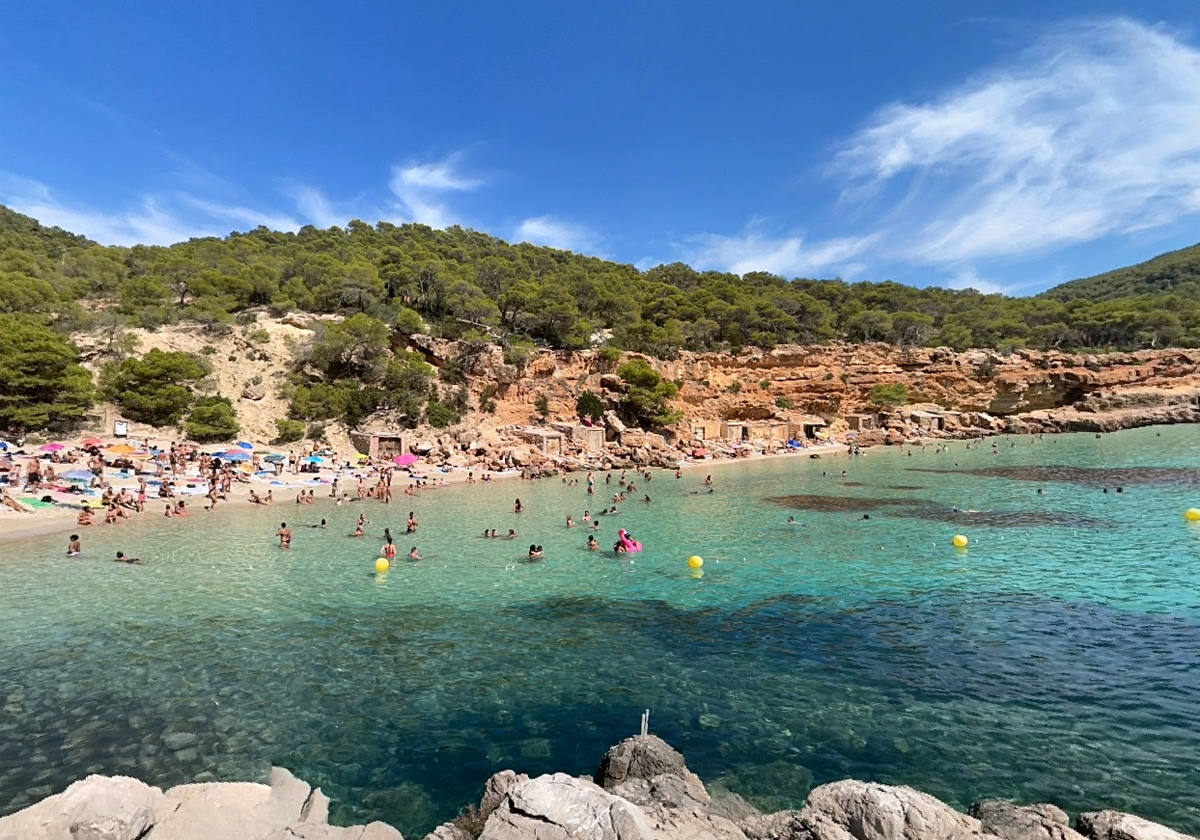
997	145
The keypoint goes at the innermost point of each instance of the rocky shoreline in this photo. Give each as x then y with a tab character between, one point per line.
642	790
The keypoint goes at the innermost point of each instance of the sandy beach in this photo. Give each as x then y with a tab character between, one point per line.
59	515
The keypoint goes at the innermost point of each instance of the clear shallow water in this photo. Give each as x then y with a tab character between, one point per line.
1058	659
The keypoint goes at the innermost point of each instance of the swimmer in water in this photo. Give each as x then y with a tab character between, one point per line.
285	535
413	554
121	558
389	550
791	520
593	544
518	507
74	548
570	521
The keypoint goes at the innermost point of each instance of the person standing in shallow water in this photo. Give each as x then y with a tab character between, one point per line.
285	535
518	507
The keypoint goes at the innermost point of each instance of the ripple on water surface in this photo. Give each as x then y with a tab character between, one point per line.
1054	660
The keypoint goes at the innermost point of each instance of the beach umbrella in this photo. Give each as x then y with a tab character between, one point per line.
234	456
245	444
275	458
313	459
121	449
405	460
358	456
92	441
78	475
53	447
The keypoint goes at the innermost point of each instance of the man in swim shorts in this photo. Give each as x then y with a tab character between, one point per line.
285	535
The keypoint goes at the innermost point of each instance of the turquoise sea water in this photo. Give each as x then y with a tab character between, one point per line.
1057	659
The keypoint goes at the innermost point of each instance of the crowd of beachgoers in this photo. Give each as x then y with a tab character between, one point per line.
73	485
98	482
107	482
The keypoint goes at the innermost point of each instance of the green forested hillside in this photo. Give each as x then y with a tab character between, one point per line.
1176	273
461	283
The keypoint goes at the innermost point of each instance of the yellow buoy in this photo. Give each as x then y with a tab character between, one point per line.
1192	514
381	565
695	561
960	541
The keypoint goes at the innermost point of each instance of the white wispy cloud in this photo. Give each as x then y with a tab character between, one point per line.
245	216
968	278
147	222
314	206
421	189
755	250
1094	131
558	233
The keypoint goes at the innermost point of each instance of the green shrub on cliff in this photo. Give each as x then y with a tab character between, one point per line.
211	419
287	431
156	388
645	400
591	406
890	395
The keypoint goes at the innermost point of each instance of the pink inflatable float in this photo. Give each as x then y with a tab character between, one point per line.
625	545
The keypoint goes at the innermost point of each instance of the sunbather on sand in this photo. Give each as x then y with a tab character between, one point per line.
10	502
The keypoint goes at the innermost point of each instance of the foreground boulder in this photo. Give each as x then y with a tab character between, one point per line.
640	757
871	811
120	808
562	807
98	808
854	810
1024	822
642	790
1114	825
